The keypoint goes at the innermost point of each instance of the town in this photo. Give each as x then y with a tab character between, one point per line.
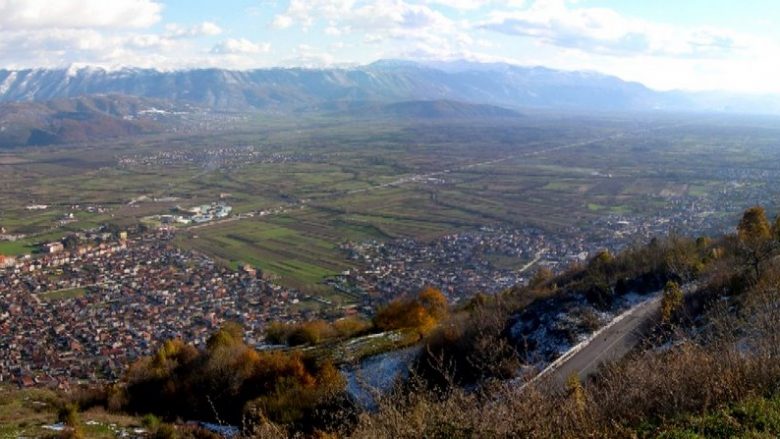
85	307
494	258
85	313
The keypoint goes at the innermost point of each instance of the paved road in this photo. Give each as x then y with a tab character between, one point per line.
609	343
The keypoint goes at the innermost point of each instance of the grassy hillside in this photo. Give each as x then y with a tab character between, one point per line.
35	413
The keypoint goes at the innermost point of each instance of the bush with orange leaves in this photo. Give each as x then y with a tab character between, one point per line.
315	331
217	383
422	313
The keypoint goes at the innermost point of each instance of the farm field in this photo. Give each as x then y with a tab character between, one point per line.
63	294
339	181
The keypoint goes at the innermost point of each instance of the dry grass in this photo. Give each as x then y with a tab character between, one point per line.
731	358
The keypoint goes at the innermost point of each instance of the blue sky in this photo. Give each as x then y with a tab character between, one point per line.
665	44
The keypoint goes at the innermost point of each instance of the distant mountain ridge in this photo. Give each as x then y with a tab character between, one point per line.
386	81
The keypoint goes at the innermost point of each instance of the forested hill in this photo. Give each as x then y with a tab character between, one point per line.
81	119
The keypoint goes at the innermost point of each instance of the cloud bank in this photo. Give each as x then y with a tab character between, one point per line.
556	33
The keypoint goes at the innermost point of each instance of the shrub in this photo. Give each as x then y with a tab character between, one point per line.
312	332
421	313
315	332
671	301
69	415
216	383
351	326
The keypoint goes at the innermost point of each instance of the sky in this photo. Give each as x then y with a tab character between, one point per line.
723	45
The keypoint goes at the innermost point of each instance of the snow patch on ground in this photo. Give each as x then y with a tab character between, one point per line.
378	374
555	329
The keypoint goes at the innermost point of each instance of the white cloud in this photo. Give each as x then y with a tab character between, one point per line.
240	46
602	30
42	14
364	14
282	22
309	57
337	31
379	23
469	5
206	28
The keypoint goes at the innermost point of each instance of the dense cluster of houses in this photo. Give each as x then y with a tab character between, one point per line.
134	294
461	264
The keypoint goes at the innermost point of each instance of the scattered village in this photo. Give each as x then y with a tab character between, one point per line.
221	157
492	259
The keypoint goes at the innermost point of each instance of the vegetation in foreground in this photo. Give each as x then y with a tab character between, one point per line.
708	368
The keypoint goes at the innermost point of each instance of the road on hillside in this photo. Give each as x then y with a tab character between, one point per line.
610	344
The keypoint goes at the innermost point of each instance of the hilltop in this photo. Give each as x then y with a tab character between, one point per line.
705	367
81	119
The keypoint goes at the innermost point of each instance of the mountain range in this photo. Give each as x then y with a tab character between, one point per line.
60	106
384	82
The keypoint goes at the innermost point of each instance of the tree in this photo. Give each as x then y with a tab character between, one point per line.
754	227
277	332
671	301
71	241
351	326
421	313
434	301
540	277
603	257
576	392
402	314
312	332
231	333
69	416
776	229
754	233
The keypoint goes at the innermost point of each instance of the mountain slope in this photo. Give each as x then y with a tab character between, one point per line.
78	119
444	109
418	109
383	81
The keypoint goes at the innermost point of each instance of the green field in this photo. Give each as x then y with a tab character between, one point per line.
63	294
301	252
26	413
467	175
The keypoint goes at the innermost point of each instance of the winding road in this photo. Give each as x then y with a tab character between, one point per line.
609	343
